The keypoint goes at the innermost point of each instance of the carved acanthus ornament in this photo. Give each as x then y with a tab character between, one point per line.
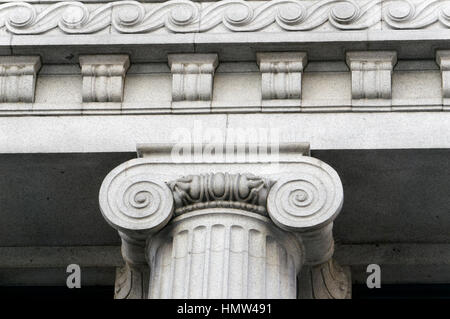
242	191
246	233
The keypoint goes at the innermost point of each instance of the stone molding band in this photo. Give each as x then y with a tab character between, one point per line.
103	79
183	16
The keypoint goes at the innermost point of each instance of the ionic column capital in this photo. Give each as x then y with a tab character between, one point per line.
221	213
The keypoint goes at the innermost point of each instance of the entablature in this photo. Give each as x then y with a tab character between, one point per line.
325	29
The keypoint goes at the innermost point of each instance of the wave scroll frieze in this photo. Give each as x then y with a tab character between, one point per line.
184	16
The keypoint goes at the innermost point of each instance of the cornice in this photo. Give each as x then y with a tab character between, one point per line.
60	31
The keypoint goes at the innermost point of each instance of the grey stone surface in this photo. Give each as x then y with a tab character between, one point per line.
51	200
392	196
56	276
35	257
402	263
380	130
47	265
411	188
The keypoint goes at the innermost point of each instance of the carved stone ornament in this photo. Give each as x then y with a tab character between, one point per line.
18	78
183	16
371	77
192	80
243	191
443	60
103	77
324	281
281	78
192	76
241	230
136	205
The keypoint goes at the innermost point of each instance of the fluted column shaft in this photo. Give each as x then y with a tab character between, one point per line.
223	253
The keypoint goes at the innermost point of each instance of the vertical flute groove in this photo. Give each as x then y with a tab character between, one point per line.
212	260
226	261
205	276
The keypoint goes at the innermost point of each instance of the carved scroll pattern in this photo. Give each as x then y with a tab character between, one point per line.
183	16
